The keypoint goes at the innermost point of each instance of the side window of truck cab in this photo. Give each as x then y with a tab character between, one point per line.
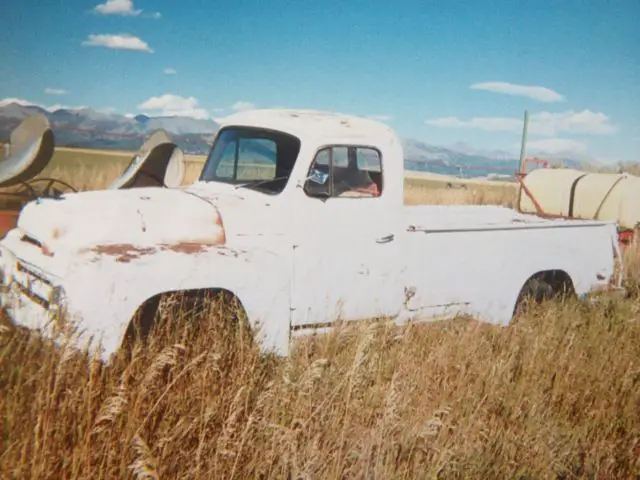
345	172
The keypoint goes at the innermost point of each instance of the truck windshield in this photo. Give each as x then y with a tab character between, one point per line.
252	158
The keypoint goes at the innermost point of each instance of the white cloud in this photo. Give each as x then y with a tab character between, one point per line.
156	15
541	94
218	114
117	7
490	124
122	41
241	105
170	71
586	121
542	123
171	105
59	106
381	118
55	91
26	103
557	146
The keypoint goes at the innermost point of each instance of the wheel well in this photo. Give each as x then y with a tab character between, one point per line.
143	319
559	280
543	285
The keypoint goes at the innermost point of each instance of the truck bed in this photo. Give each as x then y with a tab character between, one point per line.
433	218
476	259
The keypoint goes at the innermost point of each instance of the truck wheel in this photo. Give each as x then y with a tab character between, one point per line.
536	290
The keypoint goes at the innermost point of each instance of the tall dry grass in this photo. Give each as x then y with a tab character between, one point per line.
418	194
556	395
97	175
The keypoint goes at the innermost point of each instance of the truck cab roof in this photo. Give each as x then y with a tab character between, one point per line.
312	123
303	139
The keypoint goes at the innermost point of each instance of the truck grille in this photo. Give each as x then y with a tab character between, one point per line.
33	286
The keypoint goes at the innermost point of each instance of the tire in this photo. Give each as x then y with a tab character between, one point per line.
536	290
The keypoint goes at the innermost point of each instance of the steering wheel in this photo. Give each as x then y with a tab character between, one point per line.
48	191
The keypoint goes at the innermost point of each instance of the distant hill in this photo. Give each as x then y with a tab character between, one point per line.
88	128
420	156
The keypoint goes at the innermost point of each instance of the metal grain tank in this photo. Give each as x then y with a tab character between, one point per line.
577	194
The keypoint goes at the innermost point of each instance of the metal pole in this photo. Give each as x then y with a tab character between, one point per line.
523	149
523	146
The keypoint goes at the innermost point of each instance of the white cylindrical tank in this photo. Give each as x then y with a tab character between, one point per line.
576	194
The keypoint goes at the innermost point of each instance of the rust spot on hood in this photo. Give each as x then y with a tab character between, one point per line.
185	247
124	252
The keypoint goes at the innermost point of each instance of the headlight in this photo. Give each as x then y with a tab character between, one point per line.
56	306
56	297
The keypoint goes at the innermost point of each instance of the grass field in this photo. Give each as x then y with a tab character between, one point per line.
556	395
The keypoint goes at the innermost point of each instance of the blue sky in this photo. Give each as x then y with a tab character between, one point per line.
439	71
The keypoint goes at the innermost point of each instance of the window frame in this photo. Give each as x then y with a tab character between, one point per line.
352	148
257	133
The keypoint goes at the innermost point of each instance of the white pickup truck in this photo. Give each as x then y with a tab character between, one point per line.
300	216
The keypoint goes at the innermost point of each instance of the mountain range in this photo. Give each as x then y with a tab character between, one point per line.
88	128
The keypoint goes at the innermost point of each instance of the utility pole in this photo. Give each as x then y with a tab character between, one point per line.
523	146
523	149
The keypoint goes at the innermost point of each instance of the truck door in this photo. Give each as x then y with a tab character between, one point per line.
347	256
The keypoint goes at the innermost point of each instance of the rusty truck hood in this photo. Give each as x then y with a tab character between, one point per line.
139	216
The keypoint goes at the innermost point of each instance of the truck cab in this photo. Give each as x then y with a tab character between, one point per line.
300	216
325	188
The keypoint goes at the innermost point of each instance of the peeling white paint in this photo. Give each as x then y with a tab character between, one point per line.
142	216
294	261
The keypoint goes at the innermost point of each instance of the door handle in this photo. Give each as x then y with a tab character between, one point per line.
386	238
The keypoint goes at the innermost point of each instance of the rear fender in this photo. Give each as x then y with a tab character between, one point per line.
499	307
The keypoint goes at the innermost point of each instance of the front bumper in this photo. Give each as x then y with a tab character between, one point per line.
66	298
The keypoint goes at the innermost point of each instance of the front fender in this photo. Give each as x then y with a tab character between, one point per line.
104	291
